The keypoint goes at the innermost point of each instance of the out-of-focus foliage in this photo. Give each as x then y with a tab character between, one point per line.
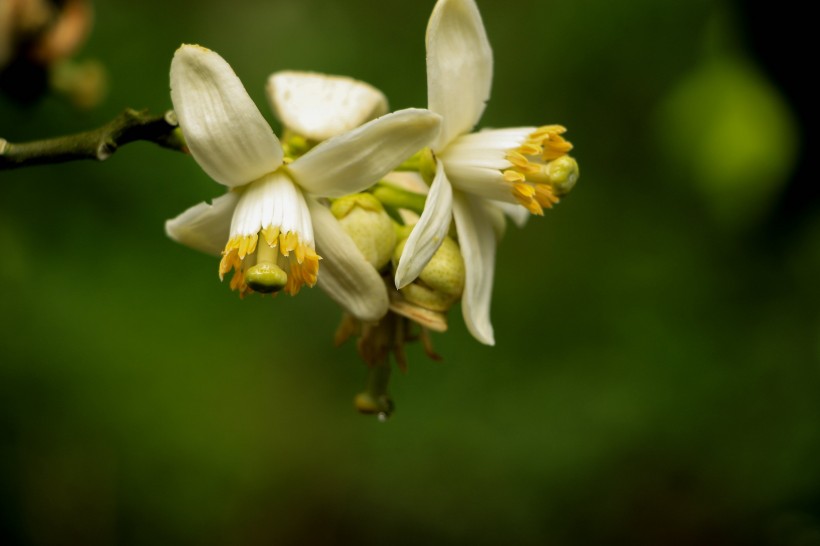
656	374
727	129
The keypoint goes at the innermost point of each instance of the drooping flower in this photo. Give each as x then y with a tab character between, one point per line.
475	172
268	226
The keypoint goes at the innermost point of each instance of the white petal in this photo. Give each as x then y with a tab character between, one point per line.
355	160
477	240
273	200
318	106
488	147
459	67
481	181
475	162
518	214
496	217
429	231
224	130
204	227
344	274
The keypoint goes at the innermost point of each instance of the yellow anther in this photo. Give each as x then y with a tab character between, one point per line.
546	142
521	163
288	242
523	190
247	245
266	275
545	196
225	265
513	176
271	235
238	281
534	207
531	148
547	130
555	148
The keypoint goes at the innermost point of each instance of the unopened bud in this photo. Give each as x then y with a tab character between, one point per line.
441	282
364	219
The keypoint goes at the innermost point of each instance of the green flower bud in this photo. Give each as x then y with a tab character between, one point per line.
364	219
441	282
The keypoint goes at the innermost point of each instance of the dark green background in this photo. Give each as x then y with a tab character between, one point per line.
656	374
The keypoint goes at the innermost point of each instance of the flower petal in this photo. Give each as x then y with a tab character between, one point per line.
515	212
344	273
429	231
476	162
319	106
273	200
204	227
459	67
355	160
477	240
223	128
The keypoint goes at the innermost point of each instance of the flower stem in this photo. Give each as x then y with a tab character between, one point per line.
97	144
398	198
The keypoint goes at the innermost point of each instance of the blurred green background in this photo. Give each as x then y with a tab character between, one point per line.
657	368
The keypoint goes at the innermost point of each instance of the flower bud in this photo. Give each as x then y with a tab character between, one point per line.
441	282
364	219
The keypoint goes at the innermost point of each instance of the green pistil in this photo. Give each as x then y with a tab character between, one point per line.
266	278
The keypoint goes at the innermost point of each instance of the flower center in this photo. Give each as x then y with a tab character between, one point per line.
268	262
271	245
541	170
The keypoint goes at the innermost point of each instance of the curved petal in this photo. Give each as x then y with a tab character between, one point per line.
515	212
429	231
355	160
224	130
344	274
204	227
273	200
459	67
319	106
477	240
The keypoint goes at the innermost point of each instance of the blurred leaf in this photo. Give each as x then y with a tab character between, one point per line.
728	130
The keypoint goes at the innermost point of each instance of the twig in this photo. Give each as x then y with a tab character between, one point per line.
98	144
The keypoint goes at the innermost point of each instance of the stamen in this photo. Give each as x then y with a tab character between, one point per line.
545	196
513	176
247	245
271	235
259	267
540	169
554	145
525	194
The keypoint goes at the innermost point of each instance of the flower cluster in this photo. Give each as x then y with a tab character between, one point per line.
396	216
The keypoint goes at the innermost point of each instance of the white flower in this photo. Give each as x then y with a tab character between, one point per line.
526	165
264	226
